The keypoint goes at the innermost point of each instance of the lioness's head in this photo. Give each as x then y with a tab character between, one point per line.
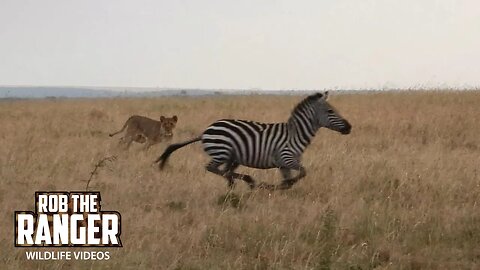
168	124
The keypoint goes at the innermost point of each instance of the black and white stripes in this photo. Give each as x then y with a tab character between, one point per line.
249	143
231	143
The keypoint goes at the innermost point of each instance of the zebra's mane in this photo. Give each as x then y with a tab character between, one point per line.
307	101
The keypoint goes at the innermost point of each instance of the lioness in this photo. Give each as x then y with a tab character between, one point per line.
142	129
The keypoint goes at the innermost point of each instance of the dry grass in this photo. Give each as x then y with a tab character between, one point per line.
400	192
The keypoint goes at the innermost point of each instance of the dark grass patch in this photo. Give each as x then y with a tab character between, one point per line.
230	200
176	205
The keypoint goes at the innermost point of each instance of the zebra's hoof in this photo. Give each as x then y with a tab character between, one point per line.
283	186
266	186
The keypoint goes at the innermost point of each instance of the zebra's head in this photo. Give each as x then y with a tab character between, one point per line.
327	116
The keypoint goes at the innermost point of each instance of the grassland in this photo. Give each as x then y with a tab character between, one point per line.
402	191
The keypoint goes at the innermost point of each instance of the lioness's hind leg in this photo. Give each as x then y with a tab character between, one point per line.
140	138
148	144
126	141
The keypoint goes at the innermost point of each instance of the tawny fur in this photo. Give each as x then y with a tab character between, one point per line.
142	129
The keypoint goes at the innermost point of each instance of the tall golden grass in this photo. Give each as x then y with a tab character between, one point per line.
402	191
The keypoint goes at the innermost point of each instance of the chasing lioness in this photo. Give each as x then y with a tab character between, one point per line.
142	129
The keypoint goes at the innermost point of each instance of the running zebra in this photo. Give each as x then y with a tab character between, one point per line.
232	143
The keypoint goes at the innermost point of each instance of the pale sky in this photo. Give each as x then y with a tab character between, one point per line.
268	44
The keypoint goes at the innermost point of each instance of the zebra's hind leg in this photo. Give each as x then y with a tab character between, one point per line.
288	180
231	175
245	177
214	167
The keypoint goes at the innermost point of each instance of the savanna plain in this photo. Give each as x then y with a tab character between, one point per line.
402	191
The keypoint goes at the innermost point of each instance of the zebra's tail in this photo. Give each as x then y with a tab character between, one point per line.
171	148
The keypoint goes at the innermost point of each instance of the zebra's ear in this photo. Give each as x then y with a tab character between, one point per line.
325	95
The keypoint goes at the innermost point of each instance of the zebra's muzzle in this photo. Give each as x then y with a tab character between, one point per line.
346	129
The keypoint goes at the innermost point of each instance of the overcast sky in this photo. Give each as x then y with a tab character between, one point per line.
265	44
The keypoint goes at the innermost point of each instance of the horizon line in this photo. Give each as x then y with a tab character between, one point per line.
163	88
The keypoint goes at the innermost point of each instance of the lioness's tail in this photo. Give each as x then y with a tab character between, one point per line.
123	128
171	148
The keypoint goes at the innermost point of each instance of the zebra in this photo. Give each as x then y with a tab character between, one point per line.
232	143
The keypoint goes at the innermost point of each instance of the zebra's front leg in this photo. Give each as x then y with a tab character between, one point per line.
288	180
